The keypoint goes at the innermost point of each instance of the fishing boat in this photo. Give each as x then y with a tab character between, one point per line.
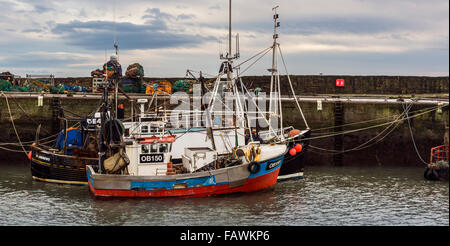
437	169
64	160
144	169
297	141
191	131
139	162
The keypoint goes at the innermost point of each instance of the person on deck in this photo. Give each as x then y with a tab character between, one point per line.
113	68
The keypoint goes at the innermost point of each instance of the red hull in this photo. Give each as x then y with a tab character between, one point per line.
254	184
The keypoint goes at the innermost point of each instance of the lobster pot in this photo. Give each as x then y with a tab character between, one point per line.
196	158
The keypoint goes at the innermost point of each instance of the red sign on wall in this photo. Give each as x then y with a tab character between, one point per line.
340	82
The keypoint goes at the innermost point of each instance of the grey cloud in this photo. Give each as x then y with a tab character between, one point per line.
358	25
216	6
155	13
42	9
310	26
32	30
98	35
41	60
185	17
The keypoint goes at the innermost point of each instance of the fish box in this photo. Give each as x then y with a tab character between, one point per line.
196	158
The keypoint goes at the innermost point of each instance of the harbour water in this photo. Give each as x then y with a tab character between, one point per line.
327	196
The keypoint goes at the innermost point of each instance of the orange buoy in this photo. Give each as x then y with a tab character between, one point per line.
292	152
294	132
29	155
298	148
170	170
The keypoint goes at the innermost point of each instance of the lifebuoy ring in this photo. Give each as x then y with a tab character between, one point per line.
254	167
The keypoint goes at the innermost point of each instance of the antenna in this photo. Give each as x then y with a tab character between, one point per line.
116	46
229	31
229	55
276	23
238	53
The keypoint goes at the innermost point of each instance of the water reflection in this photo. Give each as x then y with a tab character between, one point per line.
236	209
326	196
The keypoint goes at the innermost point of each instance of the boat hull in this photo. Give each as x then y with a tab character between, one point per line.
294	166
436	173
50	167
222	181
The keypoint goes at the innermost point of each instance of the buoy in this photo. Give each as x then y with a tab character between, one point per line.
292	151
170	170
293	132
298	148
29	155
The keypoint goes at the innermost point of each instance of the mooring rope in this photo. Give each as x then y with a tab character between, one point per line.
366	144
366	121
14	126
398	120
369	127
412	137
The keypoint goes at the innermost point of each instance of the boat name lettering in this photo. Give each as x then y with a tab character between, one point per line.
93	121
273	164
149	158
44	158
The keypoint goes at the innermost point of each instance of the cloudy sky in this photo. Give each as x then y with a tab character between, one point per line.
333	37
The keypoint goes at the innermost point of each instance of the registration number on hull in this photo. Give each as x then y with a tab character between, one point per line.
151	158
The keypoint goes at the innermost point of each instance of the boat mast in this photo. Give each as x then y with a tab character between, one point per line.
228	65
116	47
229	73
106	111
275	89
229	35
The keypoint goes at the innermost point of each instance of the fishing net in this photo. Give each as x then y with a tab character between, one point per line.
134	71
182	85
5	85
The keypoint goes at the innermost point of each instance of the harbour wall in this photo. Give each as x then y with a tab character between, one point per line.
381	85
396	148
325	84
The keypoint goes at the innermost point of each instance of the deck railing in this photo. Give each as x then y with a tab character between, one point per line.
439	154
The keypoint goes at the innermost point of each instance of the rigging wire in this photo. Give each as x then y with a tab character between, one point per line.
259	58
292	88
412	137
251	58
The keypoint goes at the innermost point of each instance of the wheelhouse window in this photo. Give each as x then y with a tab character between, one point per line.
144	129
163	148
154	148
144	149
